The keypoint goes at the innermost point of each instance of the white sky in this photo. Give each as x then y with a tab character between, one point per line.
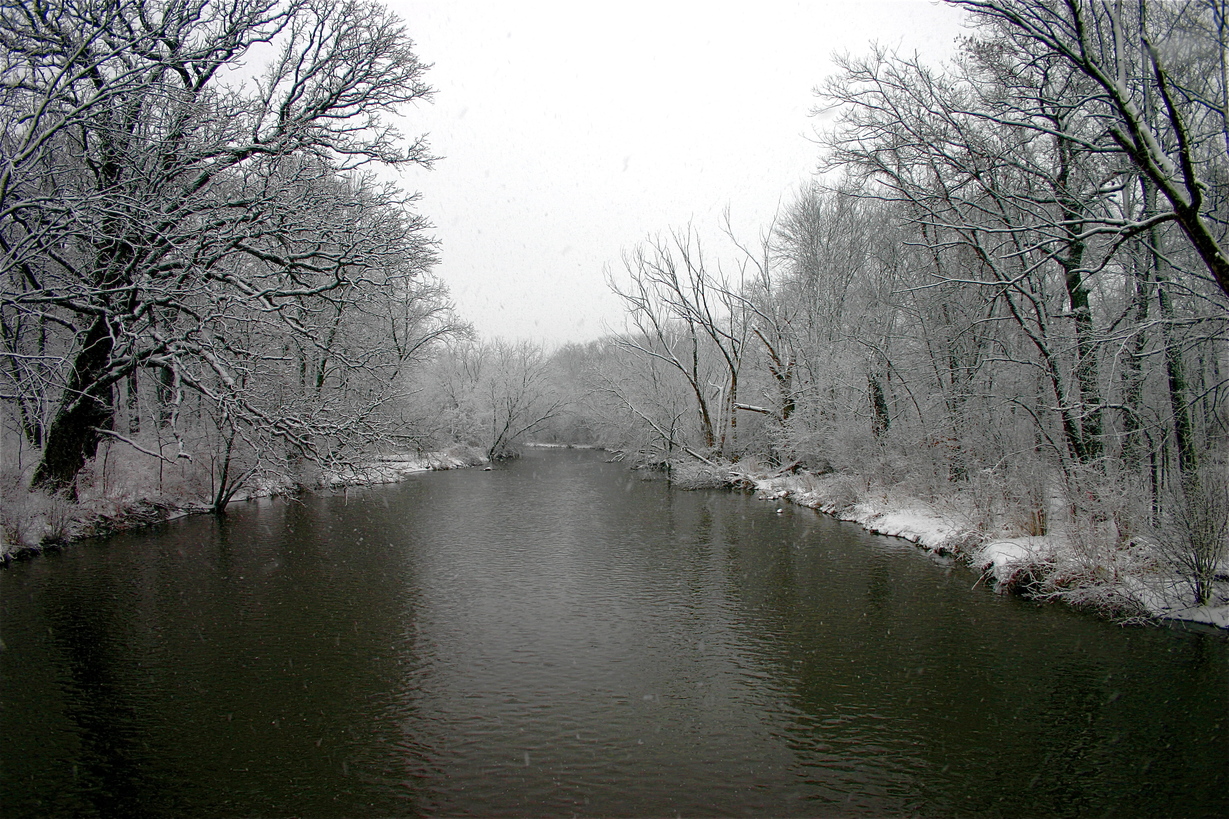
572	131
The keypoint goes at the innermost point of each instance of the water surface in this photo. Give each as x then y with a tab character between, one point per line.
559	637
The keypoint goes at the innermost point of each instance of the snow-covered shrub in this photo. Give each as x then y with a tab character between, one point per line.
840	494
28	519
697	475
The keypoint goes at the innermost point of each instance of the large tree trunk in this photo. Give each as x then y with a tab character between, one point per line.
1133	375
881	419
1175	370
1079	306
87	406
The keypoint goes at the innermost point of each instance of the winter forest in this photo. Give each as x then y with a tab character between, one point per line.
1003	295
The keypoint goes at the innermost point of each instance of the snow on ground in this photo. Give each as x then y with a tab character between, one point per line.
924	527
1217	616
1004	560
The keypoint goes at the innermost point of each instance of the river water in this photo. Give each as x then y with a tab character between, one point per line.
560	637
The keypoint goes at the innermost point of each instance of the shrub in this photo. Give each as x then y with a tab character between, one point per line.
1193	534
697	475
30	520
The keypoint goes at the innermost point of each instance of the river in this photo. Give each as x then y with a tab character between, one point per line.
557	637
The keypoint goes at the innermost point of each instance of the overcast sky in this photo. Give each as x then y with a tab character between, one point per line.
572	131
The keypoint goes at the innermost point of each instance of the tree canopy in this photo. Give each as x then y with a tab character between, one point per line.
185	190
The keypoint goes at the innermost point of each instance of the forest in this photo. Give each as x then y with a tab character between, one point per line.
1003	294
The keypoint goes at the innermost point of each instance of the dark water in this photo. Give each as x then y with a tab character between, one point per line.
558	637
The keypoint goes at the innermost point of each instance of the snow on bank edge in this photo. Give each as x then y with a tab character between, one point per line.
834	495
393	469
1004	561
95	517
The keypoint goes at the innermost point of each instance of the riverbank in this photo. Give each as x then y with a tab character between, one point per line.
33	522
1128	582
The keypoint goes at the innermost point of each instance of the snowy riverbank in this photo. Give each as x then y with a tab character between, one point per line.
32	522
392	468
1128	582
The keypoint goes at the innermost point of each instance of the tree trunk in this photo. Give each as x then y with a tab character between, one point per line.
1175	370
134	404
881	419
87	406
1133	367
1085	367
1079	306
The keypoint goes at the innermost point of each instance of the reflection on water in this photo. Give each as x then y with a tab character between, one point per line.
560	637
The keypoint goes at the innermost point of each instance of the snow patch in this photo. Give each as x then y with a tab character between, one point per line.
1211	615
1006	560
925	528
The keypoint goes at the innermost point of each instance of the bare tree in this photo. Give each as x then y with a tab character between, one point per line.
692	319
491	394
643	406
518	395
1194	530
